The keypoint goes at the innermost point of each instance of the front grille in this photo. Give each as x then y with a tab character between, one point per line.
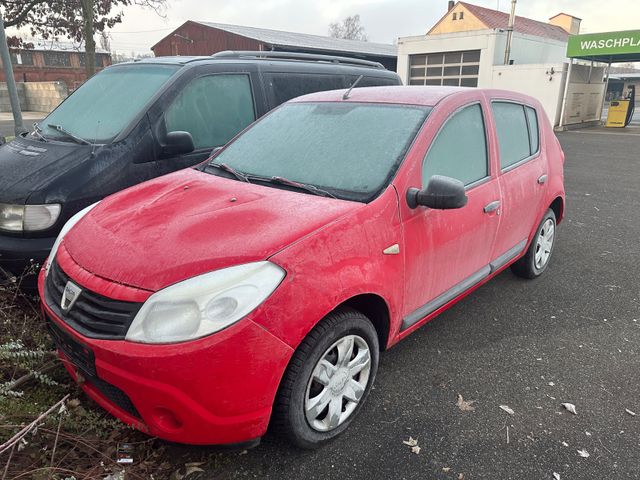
83	359
92	315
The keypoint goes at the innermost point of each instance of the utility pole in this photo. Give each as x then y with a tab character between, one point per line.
512	19
11	82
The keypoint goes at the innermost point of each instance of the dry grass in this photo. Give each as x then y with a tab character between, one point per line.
78	441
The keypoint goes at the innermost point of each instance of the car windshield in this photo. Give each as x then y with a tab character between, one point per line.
348	149
104	105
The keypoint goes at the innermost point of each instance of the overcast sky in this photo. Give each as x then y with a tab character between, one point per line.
384	20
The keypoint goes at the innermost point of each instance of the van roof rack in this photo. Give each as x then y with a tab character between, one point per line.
301	57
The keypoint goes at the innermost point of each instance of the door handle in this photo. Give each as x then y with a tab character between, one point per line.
542	179
492	207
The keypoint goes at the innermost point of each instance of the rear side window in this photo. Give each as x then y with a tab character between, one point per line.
513	132
534	134
213	109
460	148
285	86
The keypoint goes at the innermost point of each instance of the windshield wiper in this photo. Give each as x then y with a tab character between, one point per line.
302	186
68	134
239	175
38	131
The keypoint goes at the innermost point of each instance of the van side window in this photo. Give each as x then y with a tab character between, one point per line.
513	133
285	86
460	148
371	81
213	109
534	134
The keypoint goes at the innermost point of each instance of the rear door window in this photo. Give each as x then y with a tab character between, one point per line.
285	86
213	109
460	148
512	131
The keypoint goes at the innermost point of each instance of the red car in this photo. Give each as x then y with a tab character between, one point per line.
261	286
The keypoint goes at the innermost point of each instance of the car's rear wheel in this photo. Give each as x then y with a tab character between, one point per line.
537	258
328	379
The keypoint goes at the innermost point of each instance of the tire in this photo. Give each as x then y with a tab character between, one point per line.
293	417
531	266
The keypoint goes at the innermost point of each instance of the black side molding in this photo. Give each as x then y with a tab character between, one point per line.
458	289
444	298
510	254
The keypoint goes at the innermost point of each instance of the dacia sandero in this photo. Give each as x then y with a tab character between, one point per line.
260	287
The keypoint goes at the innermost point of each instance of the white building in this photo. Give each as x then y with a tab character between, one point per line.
467	47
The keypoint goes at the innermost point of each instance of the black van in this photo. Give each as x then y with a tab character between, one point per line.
139	120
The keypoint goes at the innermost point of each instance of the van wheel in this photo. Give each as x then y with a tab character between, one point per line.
537	258
328	379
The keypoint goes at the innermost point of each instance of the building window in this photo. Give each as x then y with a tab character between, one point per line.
455	16
445	68
21	58
461	16
99	60
57	59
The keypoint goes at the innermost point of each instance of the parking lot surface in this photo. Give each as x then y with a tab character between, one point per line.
570	336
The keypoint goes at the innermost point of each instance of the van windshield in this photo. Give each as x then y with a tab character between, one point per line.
350	150
106	103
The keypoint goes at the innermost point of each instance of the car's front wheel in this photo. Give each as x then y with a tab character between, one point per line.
537	258
328	379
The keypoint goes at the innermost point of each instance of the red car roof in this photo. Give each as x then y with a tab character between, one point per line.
413	95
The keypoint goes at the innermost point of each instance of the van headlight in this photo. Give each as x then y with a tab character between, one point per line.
28	218
204	304
65	229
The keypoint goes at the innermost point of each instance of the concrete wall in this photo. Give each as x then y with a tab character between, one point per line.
35	96
544	82
526	49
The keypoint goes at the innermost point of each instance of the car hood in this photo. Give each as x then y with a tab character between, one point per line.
27	166
189	223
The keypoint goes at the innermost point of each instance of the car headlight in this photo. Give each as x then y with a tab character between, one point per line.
28	218
65	229
204	304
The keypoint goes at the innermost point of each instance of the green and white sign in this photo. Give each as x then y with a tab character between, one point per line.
607	43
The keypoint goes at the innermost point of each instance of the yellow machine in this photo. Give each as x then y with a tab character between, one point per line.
617	116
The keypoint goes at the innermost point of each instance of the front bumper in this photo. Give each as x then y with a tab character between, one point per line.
18	254
215	390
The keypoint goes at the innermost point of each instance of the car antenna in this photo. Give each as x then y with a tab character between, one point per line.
348	92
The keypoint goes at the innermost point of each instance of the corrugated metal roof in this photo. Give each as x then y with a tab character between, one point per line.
304	40
57	46
500	20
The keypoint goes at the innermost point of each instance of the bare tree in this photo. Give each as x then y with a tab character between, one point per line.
78	20
350	29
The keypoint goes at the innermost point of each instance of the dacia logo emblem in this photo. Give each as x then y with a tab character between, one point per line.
70	294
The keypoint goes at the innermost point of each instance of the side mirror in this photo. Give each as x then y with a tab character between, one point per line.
442	193
177	143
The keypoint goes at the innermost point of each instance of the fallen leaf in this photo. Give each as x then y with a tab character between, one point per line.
73	403
556	476
571	407
465	405
415	449
583	453
446	469
633	414
507	409
412	442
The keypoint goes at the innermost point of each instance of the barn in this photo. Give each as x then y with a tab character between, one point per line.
206	38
